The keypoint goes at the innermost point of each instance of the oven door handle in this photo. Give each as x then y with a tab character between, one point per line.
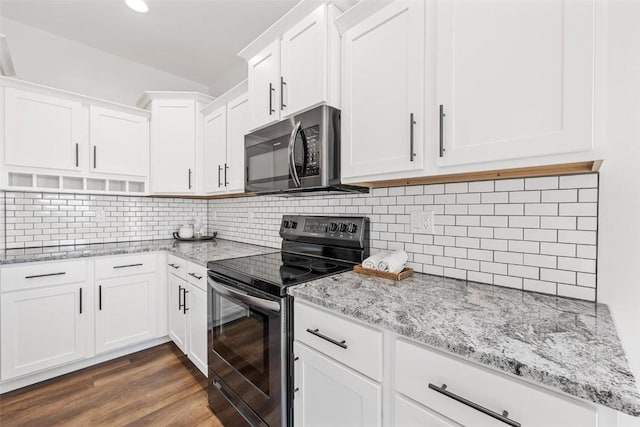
292	160
250	300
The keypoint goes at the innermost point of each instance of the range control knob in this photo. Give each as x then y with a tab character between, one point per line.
343	227
285	224
294	224
333	227
353	228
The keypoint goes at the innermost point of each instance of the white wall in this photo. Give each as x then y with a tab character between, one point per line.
619	239
51	60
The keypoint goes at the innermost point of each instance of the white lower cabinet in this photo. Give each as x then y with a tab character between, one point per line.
188	311
126	311
43	328
330	394
420	387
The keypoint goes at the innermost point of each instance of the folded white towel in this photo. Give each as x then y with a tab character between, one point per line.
373	261
393	262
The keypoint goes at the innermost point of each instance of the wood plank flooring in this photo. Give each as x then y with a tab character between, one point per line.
158	387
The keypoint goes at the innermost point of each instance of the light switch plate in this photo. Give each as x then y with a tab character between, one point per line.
422	222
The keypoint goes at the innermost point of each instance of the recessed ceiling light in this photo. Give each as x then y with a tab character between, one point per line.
137	5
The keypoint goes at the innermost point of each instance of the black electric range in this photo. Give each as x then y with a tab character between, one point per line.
250	340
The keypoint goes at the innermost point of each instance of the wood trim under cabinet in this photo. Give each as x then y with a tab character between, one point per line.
527	172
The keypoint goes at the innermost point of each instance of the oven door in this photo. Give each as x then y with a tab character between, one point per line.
286	155
245	347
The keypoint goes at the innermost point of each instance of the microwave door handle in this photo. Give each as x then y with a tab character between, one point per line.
250	300
292	160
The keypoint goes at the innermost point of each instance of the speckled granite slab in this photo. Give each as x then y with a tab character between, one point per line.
198	252
564	344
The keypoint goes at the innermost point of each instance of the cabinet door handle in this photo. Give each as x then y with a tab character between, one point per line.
184	300
226	168
127	266
219	171
45	275
180	303
504	417
442	115
195	276
95	157
271	90
77	159
100	297
80	300
174	266
189	179
282	85
342	344
412	122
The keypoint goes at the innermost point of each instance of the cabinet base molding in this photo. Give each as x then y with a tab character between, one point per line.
527	172
62	370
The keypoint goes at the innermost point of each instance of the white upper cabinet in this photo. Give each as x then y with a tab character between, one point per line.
294	65
176	160
237	120
225	125
215	149
264	86
382	92
310	63
42	131
119	142
515	78
173	151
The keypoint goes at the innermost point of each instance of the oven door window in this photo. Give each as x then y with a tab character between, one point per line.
245	337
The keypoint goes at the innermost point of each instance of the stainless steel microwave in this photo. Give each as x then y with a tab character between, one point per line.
300	154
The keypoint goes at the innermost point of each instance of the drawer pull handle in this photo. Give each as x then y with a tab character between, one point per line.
44	275
127	266
174	266
195	275
504	417
342	344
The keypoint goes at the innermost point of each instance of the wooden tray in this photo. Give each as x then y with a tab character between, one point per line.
407	272
195	239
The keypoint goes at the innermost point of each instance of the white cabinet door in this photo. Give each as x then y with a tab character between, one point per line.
215	150
126	311
304	63
42	131
410	414
173	144
177	314
43	328
332	395
119	142
197	308
382	92
264	86
237	121
515	78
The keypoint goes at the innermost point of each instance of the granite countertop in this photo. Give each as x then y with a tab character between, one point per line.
564	344
197	252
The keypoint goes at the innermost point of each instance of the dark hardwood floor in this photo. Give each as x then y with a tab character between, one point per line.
158	387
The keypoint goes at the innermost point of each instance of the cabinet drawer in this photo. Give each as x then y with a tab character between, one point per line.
197	275
177	266
128	265
417	367
41	274
348	342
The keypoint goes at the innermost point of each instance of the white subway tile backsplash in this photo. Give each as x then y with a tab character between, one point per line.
533	233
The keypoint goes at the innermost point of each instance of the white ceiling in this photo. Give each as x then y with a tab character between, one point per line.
195	39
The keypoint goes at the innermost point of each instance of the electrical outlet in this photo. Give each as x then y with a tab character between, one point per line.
422	222
101	215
